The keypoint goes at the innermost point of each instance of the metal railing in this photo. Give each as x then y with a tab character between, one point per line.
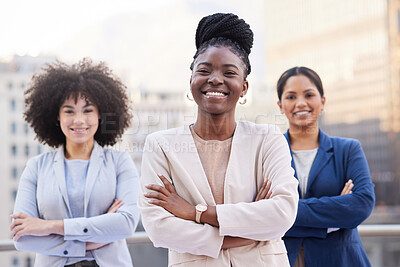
371	230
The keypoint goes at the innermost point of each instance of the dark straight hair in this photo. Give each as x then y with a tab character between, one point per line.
295	71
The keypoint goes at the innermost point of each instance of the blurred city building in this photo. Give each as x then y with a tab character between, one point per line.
17	142
355	47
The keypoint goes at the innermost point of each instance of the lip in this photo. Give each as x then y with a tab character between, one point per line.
80	130
302	112
215	93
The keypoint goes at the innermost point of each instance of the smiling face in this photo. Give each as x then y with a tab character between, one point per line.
218	81
79	121
301	102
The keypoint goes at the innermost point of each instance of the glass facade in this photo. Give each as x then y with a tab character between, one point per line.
351	48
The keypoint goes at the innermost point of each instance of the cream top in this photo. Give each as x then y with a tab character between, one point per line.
214	157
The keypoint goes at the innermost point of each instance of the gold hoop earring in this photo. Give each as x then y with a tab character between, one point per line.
189	95
243	100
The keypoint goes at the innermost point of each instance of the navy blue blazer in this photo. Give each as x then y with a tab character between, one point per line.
337	161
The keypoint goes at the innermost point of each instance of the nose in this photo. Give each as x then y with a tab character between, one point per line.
79	118
215	78
301	102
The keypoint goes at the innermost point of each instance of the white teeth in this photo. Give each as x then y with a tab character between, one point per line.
79	130
214	94
302	113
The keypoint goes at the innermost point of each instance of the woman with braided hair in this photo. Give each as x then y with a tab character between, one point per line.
219	192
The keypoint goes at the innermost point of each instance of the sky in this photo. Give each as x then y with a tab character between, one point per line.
136	38
33	27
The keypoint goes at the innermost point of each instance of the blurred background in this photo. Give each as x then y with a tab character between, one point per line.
354	45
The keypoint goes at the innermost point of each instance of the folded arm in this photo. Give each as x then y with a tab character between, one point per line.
344	211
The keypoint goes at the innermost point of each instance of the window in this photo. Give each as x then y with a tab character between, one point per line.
14	151
26	128
28	262
27	150
13	128
14	173
13	105
14	194
15	262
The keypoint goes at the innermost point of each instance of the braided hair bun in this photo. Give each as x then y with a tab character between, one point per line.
228	26
225	29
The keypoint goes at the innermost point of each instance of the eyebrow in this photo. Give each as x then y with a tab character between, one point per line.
305	91
85	106
224	65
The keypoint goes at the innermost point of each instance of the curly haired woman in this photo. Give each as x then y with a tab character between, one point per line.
76	204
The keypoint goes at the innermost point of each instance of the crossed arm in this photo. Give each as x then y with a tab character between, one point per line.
167	198
23	225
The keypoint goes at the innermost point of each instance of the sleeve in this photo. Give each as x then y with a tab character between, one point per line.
299	231
165	229
266	219
26	202
110	227
346	211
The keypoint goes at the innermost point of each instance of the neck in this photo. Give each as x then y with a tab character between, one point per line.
78	151
215	127
304	138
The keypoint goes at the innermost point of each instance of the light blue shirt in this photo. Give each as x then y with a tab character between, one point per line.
75	179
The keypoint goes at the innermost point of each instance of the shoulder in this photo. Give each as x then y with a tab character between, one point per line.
114	155
168	138
341	146
169	133
266	136
265	130
118	160
344	143
42	159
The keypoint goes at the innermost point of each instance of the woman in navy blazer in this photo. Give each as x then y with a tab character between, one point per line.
75	205
336	192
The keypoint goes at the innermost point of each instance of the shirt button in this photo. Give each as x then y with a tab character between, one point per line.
65	252
85	230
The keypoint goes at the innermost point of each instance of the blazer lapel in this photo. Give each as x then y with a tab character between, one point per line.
325	152
193	164
59	173
291	154
96	159
237	168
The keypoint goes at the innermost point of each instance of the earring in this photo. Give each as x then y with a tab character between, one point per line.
243	100
322	113
58	123
189	95
100	121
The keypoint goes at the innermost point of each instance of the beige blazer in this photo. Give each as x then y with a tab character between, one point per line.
258	152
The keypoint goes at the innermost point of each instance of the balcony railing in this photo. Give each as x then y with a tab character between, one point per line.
373	230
